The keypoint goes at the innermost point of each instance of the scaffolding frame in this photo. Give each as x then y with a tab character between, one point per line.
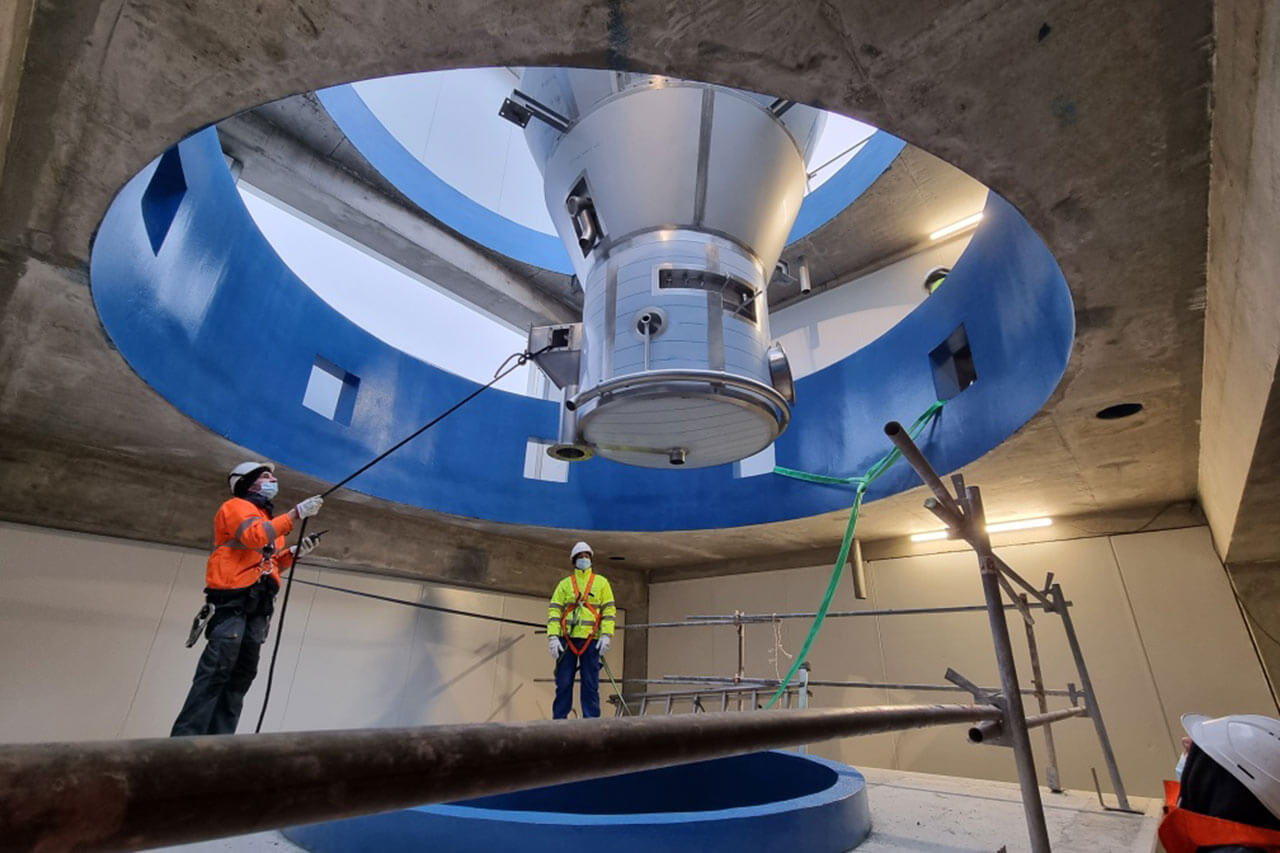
965	519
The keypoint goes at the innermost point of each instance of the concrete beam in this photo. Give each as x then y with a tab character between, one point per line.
307	181
1169	516
1240	417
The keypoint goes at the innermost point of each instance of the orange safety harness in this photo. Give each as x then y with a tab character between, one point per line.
1184	831
580	599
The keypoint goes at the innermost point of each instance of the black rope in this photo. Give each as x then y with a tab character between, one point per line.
423	606
503	370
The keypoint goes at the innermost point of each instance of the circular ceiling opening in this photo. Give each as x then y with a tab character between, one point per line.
1119	410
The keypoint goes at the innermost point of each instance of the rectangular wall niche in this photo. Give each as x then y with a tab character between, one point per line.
952	363
331	391
162	197
539	466
753	466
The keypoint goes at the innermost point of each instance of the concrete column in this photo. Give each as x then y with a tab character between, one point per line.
15	26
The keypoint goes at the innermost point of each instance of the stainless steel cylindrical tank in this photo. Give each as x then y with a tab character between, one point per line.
674	200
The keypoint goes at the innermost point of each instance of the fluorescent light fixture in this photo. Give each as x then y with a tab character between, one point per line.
1001	527
1024	524
954	227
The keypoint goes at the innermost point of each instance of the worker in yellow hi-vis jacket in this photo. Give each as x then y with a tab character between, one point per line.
580	630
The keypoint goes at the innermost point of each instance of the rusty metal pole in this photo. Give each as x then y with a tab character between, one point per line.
1090	697
1042	702
1015	720
146	793
966	517
989	731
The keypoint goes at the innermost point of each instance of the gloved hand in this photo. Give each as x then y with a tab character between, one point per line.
605	641
305	547
309	507
555	647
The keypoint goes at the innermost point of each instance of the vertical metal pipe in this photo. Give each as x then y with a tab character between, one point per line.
1037	682
859	571
804	698
742	645
1090	698
1015	719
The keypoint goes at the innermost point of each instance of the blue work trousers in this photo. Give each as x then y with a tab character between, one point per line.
589	680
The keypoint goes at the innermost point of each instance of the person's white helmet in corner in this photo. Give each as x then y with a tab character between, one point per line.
246	468
1247	746
580	548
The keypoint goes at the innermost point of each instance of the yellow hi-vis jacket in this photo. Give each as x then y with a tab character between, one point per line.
580	622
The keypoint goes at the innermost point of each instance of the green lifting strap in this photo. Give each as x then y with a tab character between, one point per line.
861	484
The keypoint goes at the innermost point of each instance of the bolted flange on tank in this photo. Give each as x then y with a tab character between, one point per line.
674	200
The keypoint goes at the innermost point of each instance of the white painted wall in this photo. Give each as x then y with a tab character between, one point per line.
92	632
1157	620
819	331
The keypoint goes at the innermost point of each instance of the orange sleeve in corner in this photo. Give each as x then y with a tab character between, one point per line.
283	525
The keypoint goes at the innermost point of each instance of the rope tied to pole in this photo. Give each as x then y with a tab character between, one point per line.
860	485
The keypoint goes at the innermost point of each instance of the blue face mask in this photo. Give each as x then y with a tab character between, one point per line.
268	489
583	563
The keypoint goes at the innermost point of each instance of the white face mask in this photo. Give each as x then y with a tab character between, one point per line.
268	489
583	563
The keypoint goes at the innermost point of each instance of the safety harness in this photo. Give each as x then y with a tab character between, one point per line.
1184	831
580	599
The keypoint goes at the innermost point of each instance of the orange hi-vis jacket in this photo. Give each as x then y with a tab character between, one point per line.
248	545
1183	831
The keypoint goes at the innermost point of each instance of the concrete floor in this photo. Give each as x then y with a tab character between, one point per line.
924	813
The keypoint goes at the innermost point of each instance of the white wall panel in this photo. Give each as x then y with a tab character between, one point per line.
76	623
354	653
1195	641
92	631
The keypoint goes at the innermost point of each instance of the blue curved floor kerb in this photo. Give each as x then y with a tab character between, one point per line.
204	310
427	190
763	801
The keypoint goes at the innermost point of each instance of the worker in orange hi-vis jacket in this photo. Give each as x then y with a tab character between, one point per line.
1227	797
242	578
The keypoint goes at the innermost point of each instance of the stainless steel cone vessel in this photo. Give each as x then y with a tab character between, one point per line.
674	200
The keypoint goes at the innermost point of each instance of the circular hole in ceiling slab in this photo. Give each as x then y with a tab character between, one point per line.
1119	410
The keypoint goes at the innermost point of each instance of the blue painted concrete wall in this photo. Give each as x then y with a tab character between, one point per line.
226	332
763	801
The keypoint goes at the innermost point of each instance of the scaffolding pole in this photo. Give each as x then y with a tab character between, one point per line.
752	618
132	794
965	517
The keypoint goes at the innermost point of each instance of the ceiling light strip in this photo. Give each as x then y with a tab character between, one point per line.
956	227
999	527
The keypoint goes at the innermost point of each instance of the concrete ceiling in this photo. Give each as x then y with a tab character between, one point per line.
1092	117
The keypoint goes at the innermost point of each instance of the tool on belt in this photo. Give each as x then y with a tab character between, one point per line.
205	613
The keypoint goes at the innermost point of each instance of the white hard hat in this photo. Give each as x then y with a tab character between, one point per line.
580	548
246	468
1247	746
